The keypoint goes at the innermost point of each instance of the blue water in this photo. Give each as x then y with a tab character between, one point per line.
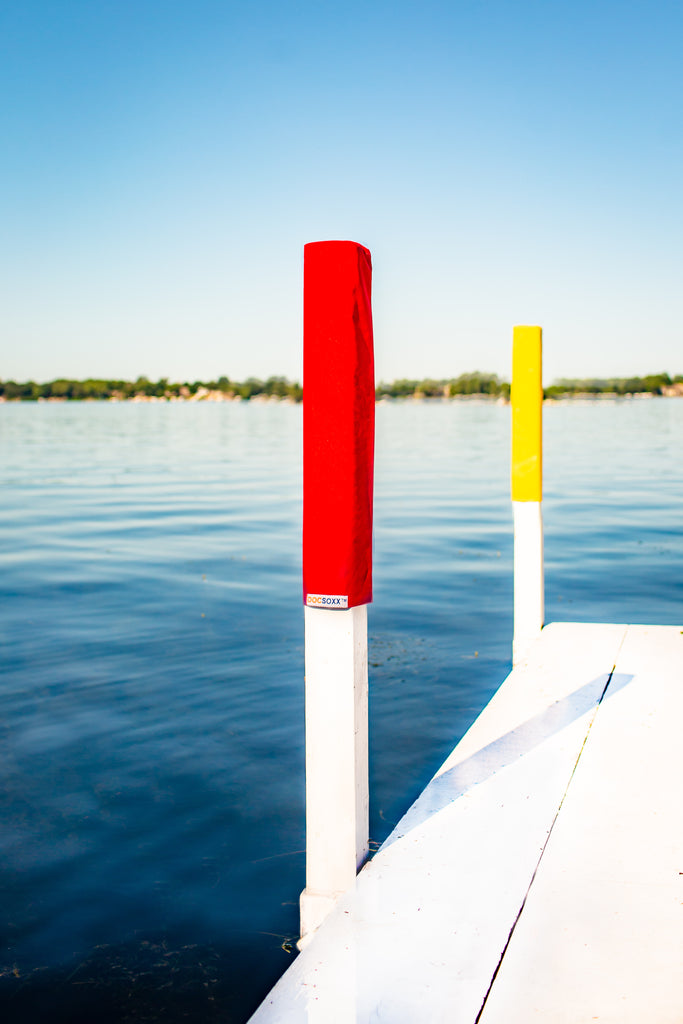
151	632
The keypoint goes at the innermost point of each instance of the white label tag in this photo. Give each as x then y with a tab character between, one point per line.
327	601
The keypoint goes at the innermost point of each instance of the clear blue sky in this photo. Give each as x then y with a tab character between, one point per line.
506	161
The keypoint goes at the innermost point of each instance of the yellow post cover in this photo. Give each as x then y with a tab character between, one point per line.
526	399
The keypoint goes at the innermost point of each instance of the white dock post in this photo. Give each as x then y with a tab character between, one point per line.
527	488
339	411
337	797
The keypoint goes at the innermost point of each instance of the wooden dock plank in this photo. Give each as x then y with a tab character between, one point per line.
601	935
420	936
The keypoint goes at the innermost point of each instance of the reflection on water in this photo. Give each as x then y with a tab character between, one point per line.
151	726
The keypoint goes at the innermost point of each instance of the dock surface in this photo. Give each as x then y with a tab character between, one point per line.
539	876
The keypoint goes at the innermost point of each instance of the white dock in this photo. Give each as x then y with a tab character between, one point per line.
539	876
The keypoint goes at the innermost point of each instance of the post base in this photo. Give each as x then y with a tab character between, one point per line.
314	908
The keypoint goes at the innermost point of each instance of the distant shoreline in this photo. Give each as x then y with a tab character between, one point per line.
466	387
418	399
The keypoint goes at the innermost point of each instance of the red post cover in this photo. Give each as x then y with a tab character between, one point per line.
339	425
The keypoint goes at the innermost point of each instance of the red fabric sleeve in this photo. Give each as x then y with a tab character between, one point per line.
339	425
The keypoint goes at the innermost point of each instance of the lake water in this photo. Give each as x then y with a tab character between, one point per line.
151	736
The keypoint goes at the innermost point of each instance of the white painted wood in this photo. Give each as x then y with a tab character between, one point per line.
420	935
529	600
601	934
336	758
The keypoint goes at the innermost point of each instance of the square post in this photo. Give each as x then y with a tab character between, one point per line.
339	417
526	399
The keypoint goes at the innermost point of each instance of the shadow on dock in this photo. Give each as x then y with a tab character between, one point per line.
453	783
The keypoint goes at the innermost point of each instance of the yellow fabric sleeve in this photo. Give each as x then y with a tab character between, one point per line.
526	399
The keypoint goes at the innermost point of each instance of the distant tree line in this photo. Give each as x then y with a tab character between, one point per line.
280	387
98	390
490	384
651	384
466	384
